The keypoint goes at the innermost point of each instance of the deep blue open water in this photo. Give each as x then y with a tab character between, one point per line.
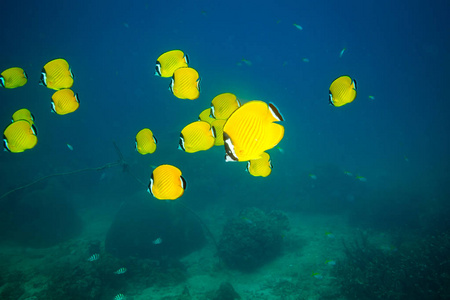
398	51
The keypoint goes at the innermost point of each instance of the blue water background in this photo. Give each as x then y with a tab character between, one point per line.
397	51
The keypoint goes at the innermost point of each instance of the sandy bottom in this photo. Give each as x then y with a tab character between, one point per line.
309	245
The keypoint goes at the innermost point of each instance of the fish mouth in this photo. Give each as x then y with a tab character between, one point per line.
181	143
330	98
158	69
5	144
43	80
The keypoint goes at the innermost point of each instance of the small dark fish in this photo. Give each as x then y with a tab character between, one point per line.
121	271
119	297
157	241
94	257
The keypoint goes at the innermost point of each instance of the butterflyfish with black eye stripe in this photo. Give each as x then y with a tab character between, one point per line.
167	183
145	141
64	102
205	115
217	127
23	114
13	78
251	130
196	136
19	136
56	75
223	105
261	167
342	91
170	61
185	84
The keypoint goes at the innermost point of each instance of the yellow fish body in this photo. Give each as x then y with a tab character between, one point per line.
23	114
185	84
342	91
223	105
196	136
167	183
251	130
65	101
167	63
145	141
205	115
13	78
57	75
261	166
19	136
217	127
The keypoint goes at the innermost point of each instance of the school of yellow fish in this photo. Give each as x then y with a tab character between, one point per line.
21	134
246	131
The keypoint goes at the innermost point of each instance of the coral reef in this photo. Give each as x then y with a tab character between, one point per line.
418	269
252	238
13	287
97	280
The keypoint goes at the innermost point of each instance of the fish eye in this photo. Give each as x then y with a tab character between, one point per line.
275	112
53	108
229	148
183	182
150	185
158	68
5	144
34	130
330	98
181	143
198	84
43	80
